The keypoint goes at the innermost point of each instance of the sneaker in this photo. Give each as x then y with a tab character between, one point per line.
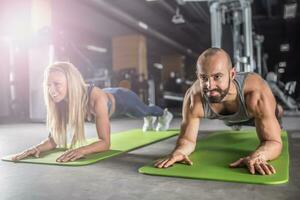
236	127
164	121
149	123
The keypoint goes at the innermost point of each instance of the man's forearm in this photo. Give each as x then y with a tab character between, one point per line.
268	150
184	146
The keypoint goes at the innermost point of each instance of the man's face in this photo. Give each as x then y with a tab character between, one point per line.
214	76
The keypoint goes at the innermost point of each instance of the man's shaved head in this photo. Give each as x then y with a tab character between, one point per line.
215	72
214	51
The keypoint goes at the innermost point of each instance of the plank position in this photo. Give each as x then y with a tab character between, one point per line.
236	98
70	101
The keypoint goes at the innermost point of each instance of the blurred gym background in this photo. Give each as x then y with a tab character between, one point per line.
148	46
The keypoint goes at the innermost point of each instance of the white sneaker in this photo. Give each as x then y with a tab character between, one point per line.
149	123
164	121
236	127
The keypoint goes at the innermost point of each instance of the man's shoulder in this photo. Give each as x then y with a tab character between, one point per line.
194	92
256	92
193	100
254	84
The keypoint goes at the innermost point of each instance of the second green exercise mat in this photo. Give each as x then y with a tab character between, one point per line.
215	152
120	143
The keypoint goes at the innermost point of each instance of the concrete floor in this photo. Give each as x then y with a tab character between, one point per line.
117	178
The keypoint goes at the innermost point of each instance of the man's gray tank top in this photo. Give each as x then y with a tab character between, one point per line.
241	114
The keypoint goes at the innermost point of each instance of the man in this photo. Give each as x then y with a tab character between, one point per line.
221	93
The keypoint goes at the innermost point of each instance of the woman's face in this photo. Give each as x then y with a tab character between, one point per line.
57	86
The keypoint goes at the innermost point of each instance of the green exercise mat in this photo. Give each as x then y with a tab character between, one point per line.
215	152
120	143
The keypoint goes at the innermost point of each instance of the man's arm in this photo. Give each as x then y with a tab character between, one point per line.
268	129
187	139
261	104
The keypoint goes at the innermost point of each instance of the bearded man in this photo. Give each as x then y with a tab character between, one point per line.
236	98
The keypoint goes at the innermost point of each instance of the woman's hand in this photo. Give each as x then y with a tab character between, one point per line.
29	152
255	164
71	155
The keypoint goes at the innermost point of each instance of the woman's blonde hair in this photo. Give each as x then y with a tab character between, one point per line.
71	112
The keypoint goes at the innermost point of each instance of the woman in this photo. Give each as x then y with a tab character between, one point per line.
70	101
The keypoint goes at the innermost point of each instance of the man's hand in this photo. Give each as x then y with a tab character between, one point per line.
173	158
255	164
70	155
29	152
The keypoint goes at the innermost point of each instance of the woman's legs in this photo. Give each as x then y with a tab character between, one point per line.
136	108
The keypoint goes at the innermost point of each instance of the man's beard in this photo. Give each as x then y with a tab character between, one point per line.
218	98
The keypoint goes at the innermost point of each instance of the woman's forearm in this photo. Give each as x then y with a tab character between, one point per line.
46	145
95	147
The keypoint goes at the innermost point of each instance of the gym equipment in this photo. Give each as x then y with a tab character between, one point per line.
282	91
237	12
173	96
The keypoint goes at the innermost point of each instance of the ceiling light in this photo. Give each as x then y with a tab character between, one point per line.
281	70
282	64
158	66
178	18
284	47
143	25
96	49
290	9
182	2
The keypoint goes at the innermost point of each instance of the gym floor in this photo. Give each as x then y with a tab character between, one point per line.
118	177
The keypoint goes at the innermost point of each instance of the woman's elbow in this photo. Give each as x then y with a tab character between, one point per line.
105	146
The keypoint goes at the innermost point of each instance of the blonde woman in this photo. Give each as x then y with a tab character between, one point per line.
70	102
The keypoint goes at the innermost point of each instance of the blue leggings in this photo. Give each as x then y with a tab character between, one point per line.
128	103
